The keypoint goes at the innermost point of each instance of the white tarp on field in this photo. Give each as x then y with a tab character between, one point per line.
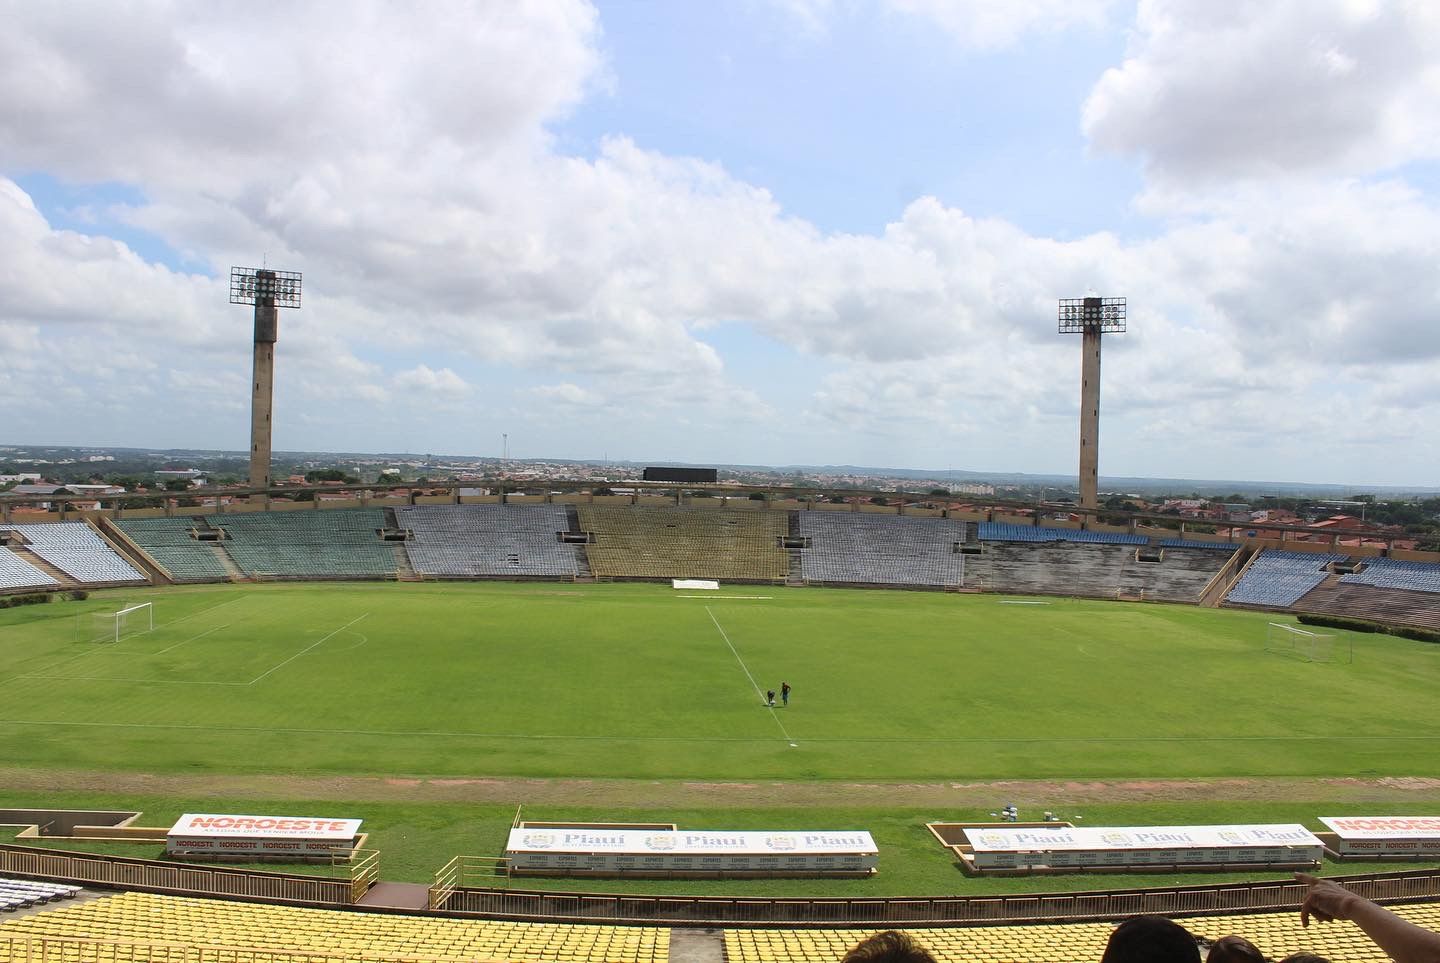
622	851
1385	835
695	583
1140	837
240	835
1384	827
687	842
1284	843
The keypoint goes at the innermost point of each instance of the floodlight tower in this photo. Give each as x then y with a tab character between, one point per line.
268	290
1090	318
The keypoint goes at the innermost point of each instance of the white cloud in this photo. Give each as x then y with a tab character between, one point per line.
1219	90
425	380
567	394
255	92
430	212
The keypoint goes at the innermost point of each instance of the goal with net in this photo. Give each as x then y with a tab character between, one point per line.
121	624
1303	644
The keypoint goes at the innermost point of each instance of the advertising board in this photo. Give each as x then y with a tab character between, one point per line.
665	851
240	835
1122	846
1384	835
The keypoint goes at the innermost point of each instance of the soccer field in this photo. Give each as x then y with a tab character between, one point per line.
499	679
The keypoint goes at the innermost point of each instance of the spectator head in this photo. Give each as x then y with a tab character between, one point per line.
1304	958
888	947
1234	949
1151	939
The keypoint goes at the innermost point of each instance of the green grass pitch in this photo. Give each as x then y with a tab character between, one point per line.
636	681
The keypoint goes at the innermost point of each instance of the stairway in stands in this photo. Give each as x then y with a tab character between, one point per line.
583	572
24	553
795	576
404	571
232	570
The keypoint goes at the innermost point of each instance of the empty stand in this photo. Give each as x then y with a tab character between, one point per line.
1053	943
477	541
1276	934
170	543
1278	579
16	573
143	917
23	893
1092	570
655	542
857	548
75	549
1180	576
339	543
1006	532
1337	596
1396	574
1196	543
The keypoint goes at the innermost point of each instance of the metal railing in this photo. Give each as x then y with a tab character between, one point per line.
364	869
459	889
465	874
166	877
947	910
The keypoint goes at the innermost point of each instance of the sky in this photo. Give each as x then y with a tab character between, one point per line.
748	231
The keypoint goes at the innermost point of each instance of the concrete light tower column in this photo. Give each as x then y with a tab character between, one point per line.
1090	318
268	291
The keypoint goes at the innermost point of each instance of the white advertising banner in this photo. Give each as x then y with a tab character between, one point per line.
1385	835
1002	848
260	835
640	850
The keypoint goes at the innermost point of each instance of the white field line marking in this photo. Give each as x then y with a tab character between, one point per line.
1043	740
106	678
727	598
98	678
307	648
193	638
363	639
238	598
56	665
746	670
99	648
61	678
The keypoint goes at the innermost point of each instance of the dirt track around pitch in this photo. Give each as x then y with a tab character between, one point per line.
660	794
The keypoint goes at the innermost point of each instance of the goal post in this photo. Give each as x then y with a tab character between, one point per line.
1291	640
127	621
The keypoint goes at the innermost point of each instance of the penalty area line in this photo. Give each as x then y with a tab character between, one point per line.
205	611
321	641
746	669
192	638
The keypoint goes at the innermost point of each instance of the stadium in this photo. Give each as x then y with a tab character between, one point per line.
452	669
695	716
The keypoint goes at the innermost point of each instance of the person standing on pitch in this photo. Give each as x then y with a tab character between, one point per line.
784	693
